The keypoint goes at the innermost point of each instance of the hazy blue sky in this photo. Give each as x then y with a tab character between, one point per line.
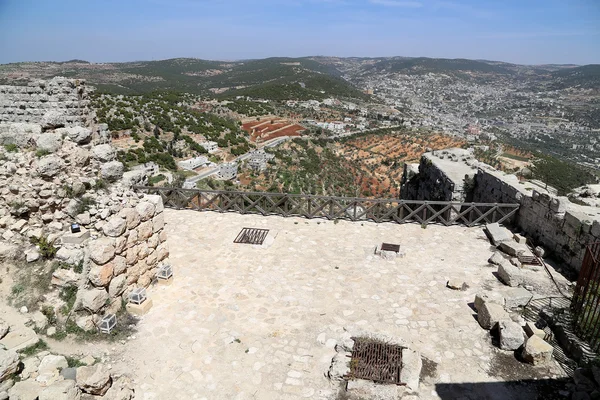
521	31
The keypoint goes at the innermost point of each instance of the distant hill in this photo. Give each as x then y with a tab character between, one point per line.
270	77
422	65
587	76
283	77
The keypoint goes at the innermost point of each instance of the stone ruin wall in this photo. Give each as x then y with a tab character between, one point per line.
41	195
561	227
29	104
432	182
125	252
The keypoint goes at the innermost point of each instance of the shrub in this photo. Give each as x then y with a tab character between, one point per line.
41	153
84	204
11	148
47	249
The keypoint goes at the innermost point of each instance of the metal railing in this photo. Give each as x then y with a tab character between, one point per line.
348	208
586	299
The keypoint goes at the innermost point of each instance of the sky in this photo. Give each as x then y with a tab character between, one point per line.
518	31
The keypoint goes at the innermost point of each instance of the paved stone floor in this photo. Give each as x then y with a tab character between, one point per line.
249	322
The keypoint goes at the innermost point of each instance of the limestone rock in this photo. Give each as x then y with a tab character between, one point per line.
511	335
112	171
339	367
102	250
517	297
86	323
62	390
100	275
94	379
490	314
69	255
121	389
156	200
104	152
510	275
497	258
79	157
52	362
53	119
498	234
411	368
50	142
145	209
4	327
49	166
531	330
135	177
513	248
25	390
78	134
92	299
9	363
117	285
115	226
132	217
456	284
537	351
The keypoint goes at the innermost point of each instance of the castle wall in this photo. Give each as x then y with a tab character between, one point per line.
561	227
552	221
29	104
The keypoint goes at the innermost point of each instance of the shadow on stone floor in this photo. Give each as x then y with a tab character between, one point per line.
523	389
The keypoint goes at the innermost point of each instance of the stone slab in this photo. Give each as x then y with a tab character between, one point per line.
20	339
165	282
532	330
75	238
498	234
516	297
139	309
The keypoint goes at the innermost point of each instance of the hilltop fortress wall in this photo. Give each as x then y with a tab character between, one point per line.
561	227
57	102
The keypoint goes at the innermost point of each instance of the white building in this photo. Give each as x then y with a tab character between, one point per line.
258	160
227	171
151	168
193	163
210	146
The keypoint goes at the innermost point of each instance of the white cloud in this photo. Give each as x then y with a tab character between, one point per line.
397	3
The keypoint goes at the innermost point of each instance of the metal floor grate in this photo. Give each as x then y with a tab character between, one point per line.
251	236
390	247
375	361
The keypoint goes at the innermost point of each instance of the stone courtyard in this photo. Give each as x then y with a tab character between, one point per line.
261	322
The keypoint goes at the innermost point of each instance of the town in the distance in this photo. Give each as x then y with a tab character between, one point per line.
336	126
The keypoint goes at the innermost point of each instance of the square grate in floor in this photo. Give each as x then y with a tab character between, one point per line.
390	247
375	361
251	236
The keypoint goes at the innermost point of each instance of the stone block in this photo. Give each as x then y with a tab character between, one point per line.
497	234
75	238
19	339
510	275
513	248
490	314
537	351
165	282
511	335
411	368
516	297
488	297
139	309
532	330
519	238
